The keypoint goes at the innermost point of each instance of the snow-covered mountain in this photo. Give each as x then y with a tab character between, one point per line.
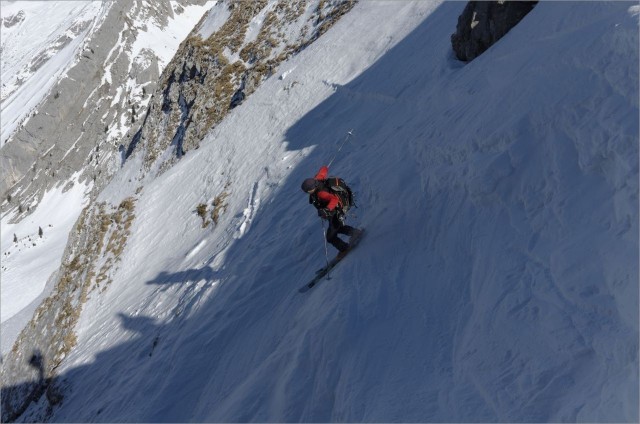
54	146
498	280
145	36
72	87
33	58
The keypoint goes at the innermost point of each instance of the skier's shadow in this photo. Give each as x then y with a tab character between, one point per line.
187	276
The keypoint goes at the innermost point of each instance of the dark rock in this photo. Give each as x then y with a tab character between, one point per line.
239	96
10	21
482	23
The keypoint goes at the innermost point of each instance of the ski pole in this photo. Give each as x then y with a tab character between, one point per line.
326	250
349	134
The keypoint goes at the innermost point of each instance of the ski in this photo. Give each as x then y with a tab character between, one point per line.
322	272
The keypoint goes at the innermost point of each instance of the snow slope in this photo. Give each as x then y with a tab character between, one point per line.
498	280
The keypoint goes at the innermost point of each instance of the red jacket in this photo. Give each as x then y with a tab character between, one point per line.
331	199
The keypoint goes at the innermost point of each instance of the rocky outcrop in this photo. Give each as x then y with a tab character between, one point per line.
482	23
10	21
211	75
81	123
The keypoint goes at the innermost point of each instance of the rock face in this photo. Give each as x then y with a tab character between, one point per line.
80	123
482	23
219	65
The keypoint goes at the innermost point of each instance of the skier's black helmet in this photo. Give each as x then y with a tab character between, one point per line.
309	185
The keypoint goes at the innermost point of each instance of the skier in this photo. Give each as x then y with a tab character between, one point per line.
331	206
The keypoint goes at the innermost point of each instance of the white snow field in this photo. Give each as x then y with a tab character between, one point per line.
498	280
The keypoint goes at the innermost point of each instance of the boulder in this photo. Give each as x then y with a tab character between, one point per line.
482	23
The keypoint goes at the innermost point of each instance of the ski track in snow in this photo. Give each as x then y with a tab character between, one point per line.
196	249
250	211
498	278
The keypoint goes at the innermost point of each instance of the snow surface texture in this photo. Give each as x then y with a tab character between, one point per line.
497	282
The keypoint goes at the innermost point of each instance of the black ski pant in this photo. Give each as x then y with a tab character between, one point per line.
337	227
